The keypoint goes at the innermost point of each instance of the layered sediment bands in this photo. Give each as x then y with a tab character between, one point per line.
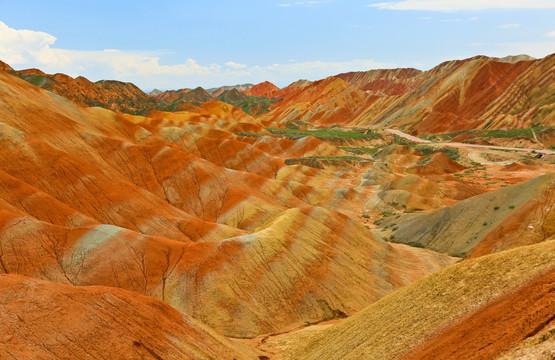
187	208
496	326
520	214
266	89
110	94
479	92
48	320
491	290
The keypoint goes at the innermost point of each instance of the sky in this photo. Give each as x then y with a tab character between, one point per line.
175	44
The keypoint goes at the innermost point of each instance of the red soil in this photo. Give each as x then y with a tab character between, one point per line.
495	327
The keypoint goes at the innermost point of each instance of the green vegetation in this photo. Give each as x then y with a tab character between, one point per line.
484	133
34	79
362	149
314	161
511	133
325	134
511	207
387	213
496	207
416	244
366	216
451	153
256	105
485	223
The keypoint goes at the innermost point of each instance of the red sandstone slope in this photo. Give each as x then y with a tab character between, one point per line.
384	82
110	94
44	320
266	89
476	309
463	94
324	102
477	92
179	207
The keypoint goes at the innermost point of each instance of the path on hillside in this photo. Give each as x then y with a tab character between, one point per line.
458	144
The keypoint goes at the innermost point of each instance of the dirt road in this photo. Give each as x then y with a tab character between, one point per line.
458	144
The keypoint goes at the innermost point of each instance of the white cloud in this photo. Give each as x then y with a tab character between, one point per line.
474	18
25	48
550	34
235	65
17	47
458	5
509	26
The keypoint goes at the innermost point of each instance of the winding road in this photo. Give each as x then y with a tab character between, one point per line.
458	144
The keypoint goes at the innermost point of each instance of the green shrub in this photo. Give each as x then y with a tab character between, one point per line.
416	244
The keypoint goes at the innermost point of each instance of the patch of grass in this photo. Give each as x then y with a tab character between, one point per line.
387	213
451	153
511	207
366	216
485	223
362	149
34	79
496	207
325	134
416	244
512	133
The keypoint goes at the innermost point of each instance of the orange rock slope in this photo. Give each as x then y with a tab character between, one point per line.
181	207
478	92
45	320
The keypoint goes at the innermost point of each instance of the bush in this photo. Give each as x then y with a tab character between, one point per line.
496	207
416	244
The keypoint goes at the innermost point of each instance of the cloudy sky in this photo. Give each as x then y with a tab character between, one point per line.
187	43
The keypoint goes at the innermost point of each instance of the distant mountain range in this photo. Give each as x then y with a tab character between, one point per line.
508	92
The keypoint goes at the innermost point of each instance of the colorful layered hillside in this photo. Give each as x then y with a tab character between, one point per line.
181	207
324	102
250	104
265	89
479	92
475	93
478	309
114	95
513	216
48	320
347	241
239	87
384	82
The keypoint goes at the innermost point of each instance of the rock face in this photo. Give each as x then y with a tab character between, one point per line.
45	320
484	307
159	235
181	207
474	93
265	89
517	215
109	94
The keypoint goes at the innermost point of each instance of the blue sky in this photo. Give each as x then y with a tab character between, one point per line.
176	44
